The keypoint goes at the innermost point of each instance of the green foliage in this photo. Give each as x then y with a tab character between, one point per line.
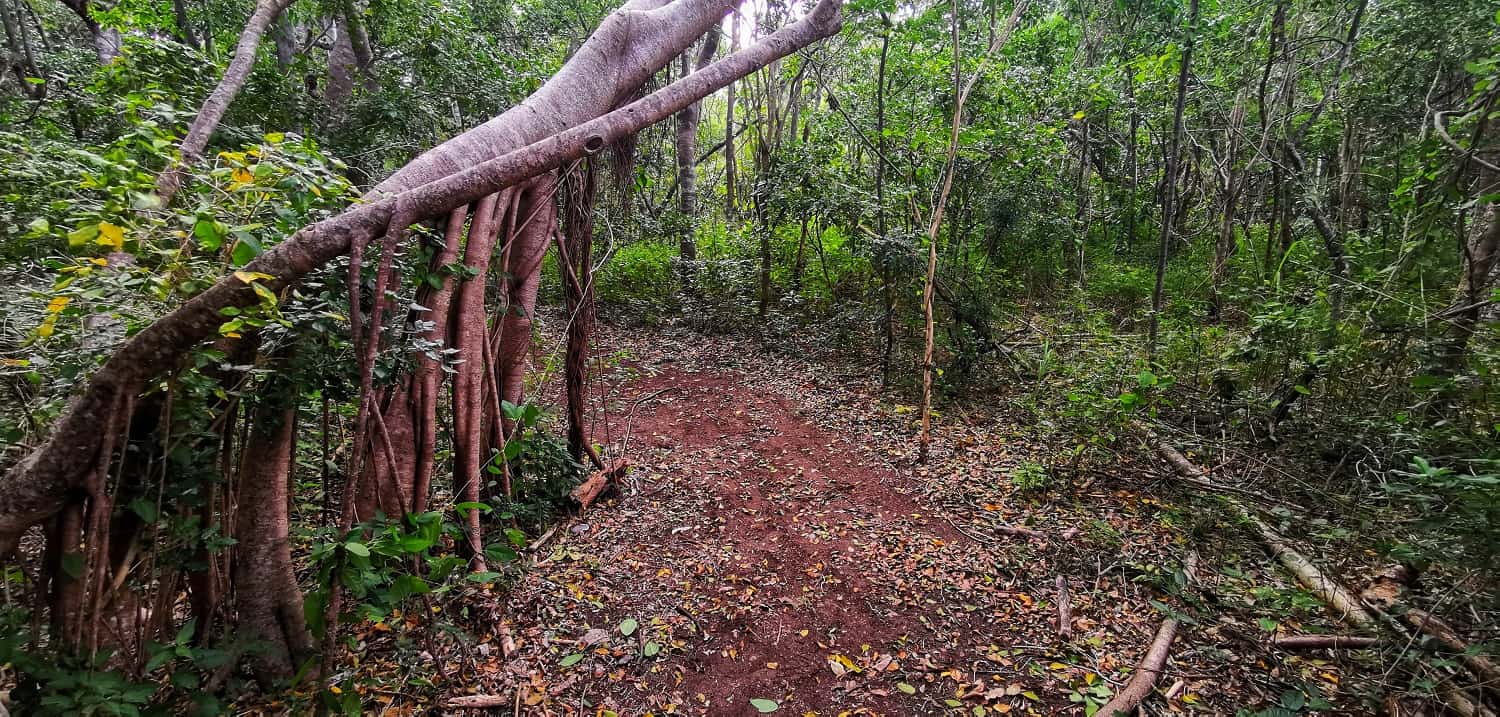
1031	477
1457	512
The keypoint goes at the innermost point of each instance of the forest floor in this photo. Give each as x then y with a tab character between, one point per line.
776	546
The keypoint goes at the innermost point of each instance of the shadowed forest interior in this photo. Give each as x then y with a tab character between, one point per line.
720	357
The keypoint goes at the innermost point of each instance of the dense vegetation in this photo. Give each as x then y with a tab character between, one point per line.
1266	230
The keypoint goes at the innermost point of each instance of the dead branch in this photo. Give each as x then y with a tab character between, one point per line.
1324	642
1064	610
599	482
476	702
1151	666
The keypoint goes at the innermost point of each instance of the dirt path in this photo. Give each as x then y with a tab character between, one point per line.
769	549
783	535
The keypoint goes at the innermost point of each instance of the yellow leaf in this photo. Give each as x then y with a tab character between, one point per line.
1078	115
242	176
48	326
111	236
57	304
251	276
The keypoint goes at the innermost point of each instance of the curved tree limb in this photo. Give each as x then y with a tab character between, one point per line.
43	482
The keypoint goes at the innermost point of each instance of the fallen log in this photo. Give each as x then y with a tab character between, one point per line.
1335	595
1461	702
1154	663
1328	590
599	482
1385	592
1324	642
1428	624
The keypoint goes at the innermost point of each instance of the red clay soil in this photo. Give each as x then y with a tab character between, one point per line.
775	546
785	506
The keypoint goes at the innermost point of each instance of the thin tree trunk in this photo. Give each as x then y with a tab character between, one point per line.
887	290
1169	191
687	166
184	25
469	336
217	103
536	221
267	598
580	188
961	95
730	169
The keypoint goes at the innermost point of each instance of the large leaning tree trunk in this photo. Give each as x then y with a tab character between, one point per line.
1481	257
568	118
218	101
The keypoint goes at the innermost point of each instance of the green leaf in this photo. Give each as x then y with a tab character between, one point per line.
908	689
185	633
651	649
246	248
206	231
72	565
572	659
144	508
359	549
628	626
80	236
764	705
516	537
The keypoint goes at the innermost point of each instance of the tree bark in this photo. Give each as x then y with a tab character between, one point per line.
217	103
580	188
1476	279
687	169
522	143
469	336
1155	662
961	95
267	599
106	41
1169	190
729	133
536	220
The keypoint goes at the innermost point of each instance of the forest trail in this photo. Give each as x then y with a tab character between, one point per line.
767	546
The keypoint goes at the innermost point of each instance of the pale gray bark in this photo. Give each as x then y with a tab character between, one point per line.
462	170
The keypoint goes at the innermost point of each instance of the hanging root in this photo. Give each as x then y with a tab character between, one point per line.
366	348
